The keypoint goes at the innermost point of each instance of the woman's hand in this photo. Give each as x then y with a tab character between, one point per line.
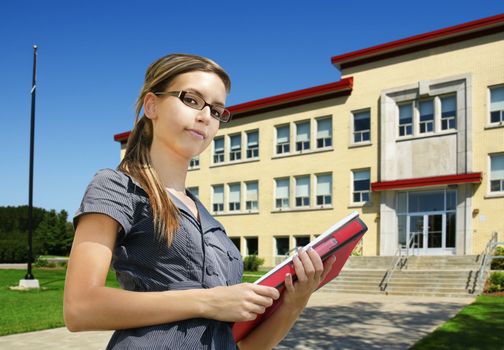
310	271
241	302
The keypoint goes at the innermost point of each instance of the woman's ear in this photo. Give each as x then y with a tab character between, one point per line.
149	105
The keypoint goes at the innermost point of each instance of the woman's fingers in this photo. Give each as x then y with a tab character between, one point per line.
316	262
328	266
298	266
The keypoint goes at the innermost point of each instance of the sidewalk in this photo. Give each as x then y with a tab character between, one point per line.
331	321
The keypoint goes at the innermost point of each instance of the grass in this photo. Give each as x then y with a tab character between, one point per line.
477	326
33	310
26	311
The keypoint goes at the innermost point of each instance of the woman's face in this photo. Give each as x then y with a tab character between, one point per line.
178	128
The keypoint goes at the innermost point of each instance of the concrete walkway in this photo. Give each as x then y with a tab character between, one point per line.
331	321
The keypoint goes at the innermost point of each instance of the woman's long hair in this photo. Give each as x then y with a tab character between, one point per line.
137	162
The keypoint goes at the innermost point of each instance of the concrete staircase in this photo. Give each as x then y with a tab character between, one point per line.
450	276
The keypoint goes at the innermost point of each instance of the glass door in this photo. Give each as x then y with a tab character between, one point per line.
415	236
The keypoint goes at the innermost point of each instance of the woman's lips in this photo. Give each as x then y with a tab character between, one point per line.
196	133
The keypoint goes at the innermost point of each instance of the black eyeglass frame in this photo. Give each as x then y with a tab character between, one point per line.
181	94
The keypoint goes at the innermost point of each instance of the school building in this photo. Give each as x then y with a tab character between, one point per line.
411	136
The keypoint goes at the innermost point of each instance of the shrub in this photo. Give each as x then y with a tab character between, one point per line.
498	264
496	282
252	263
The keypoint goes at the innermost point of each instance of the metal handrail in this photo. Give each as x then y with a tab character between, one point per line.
480	274
398	261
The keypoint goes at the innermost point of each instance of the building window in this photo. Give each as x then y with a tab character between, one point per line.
497	173
302	241
251	201
234	197
282	245
282	193
194	163
303	191
194	190
218	198
236	242
361	126
252	245
324	185
406	119
253	144
448	112
497	104
426	108
361	184
302	136
218	156
324	133
283	139
235	153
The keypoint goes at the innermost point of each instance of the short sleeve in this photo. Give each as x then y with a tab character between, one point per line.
108	194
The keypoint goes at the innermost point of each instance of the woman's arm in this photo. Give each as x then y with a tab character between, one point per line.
310	271
89	305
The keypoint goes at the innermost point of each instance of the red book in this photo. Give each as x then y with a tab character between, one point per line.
339	240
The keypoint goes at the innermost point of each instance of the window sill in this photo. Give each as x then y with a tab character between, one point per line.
494	126
360	144
311	151
291	210
237	213
234	162
194	168
426	136
360	205
494	195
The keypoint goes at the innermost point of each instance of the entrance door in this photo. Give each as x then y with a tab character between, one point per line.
426	233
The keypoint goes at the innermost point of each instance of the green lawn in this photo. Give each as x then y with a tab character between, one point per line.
477	326
26	311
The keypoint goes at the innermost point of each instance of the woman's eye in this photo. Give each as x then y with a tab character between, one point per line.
190	100
215	113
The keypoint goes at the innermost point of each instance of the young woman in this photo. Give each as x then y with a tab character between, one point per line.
180	274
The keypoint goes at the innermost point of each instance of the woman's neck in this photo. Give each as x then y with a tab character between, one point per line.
170	167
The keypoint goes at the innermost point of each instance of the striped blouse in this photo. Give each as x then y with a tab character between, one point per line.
201	256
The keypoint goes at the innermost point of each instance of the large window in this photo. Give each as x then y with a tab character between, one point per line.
252	144
251	201
194	163
282	193
303	191
283	139
361	186
235	152
218	156
282	245
406	119
194	190
302	136
324	132
361	126
252	245
426	108
218	198
497	173
497	104
324	184
448	112
234	197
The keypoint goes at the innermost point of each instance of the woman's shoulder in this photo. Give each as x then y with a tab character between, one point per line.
111	179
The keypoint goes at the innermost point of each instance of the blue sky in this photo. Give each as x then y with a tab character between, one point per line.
93	55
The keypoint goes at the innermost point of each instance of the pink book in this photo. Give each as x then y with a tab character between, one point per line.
339	240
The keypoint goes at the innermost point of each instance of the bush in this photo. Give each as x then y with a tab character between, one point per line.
496	282
498	264
41	262
252	263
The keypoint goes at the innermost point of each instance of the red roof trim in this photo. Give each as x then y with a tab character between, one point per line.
426	181
122	137
341	60
279	100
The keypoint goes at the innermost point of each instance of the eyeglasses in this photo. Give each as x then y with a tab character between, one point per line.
197	102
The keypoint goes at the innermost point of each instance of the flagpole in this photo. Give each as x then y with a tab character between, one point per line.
30	281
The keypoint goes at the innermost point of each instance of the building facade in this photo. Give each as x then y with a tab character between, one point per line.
412	137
